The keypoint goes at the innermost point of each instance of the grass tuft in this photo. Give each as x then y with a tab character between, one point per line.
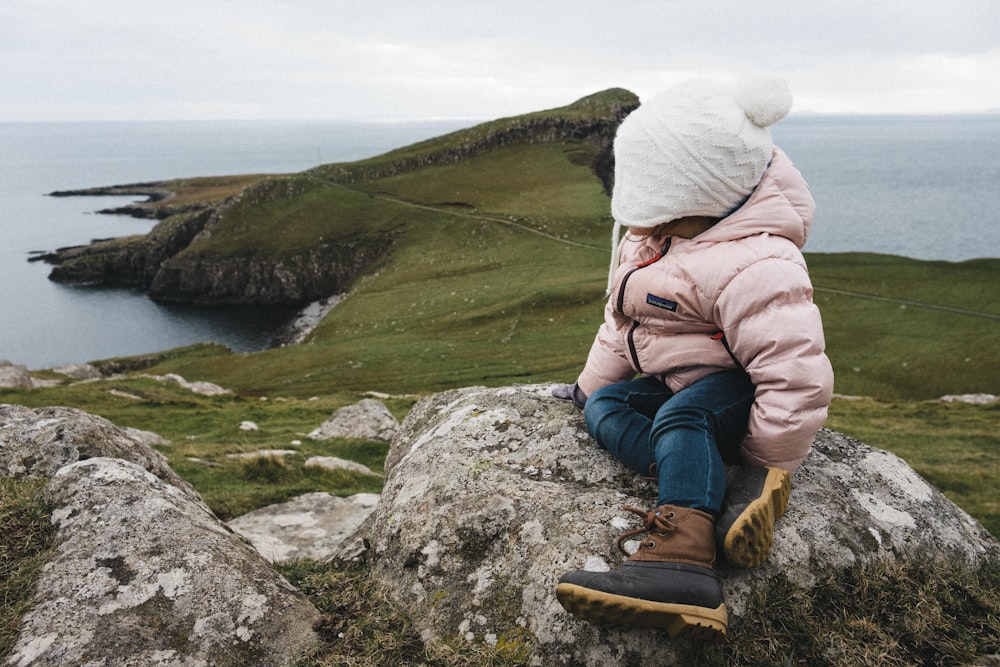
27	536
926	613
361	626
267	469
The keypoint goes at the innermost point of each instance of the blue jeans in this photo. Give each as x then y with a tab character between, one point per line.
688	435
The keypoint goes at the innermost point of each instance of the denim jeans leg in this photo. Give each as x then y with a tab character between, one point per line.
619	417
692	434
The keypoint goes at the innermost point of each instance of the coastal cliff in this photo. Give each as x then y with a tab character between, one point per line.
294	239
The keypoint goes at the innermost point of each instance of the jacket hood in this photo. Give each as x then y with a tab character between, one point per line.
780	205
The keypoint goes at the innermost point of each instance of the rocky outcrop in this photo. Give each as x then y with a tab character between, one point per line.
309	275
154	192
128	262
144	576
156	263
143	573
492	494
368	418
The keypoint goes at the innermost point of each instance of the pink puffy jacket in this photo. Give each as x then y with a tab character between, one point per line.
745	278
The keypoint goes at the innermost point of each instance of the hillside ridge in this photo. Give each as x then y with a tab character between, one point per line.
297	238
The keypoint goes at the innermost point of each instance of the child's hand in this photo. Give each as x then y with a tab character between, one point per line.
570	392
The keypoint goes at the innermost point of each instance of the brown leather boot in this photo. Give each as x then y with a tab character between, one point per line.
667	583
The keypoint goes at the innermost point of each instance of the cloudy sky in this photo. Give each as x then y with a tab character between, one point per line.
410	59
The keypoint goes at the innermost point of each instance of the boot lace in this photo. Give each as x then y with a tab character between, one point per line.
658	522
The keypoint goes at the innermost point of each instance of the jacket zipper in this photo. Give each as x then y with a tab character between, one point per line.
621	302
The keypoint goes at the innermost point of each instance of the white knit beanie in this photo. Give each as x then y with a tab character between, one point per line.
697	149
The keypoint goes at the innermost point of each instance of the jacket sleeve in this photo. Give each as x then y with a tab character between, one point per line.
607	362
774	329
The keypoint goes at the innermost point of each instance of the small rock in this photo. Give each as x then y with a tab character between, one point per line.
312	526
262	454
368	418
249	426
333	463
146	437
203	388
78	371
973	399
124	394
14	376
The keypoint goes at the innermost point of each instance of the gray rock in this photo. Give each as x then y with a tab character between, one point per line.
37	443
974	399
492	494
334	463
263	454
143	575
199	387
312	526
14	376
147	437
79	371
368	418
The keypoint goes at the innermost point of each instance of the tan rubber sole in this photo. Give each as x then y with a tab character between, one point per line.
749	538
611	610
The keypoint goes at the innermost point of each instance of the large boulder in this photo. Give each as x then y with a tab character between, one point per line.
143	572
492	494
37	442
144	576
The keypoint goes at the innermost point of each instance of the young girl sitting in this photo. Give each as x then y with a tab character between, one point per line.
711	356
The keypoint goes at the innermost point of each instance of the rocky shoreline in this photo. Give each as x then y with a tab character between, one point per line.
153	191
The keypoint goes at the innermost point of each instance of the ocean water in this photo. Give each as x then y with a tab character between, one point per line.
926	187
923	187
44	324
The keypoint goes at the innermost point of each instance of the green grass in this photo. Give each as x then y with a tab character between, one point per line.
207	442
27	539
904	328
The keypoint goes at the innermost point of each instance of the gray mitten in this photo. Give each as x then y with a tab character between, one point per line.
570	392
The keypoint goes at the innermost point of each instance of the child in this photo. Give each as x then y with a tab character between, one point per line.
711	306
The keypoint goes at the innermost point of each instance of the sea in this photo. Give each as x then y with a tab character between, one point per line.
926	187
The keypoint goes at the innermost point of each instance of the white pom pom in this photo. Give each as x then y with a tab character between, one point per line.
765	100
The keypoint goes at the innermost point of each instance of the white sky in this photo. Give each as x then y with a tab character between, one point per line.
414	59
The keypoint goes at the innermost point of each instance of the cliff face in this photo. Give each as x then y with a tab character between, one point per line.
170	262
129	262
291	240
311	275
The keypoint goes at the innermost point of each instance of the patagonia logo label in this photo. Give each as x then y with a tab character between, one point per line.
660	302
